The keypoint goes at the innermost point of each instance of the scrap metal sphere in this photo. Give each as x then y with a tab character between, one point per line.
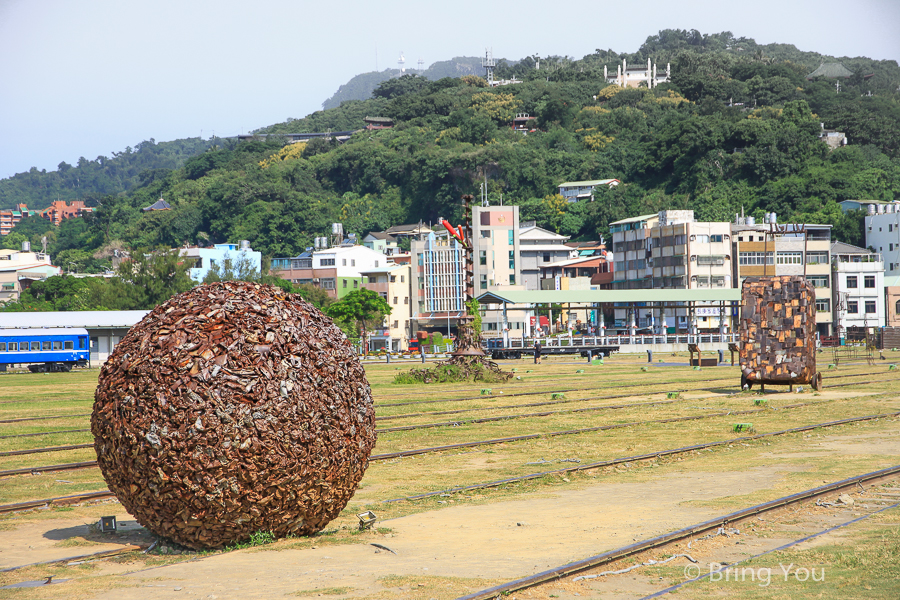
230	409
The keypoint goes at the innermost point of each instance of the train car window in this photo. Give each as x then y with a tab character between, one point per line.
2	346
13	347
46	345
70	345
35	346
81	343
57	345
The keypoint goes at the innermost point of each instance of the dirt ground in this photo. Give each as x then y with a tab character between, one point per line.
502	541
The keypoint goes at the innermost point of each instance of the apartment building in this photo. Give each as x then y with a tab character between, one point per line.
19	268
496	249
437	280
670	250
240	258
393	283
858	291
9	218
336	270
764	249
539	247
631	250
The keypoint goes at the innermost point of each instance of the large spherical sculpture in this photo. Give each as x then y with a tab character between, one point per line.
230	409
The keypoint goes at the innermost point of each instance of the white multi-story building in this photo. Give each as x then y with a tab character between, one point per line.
18	268
671	250
635	76
539	248
337	270
858	287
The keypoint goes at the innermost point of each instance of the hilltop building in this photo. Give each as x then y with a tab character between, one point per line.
55	213
634	76
573	191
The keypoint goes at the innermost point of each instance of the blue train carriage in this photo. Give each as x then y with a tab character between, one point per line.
45	350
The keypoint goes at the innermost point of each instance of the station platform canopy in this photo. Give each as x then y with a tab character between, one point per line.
649	296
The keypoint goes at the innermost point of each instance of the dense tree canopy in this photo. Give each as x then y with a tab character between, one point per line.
737	128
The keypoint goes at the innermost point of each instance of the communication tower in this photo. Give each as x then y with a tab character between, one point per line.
421	64
401	62
488	63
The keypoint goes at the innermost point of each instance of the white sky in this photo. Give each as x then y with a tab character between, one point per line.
90	77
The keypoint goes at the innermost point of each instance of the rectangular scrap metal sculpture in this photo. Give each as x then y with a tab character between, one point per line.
778	332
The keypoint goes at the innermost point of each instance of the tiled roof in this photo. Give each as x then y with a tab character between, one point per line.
831	70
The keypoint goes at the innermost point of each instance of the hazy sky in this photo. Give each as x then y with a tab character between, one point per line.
90	77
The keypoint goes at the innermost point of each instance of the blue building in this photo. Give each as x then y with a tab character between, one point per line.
240	259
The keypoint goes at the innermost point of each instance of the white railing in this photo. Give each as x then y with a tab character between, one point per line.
622	340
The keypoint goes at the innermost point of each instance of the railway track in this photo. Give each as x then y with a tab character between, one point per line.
598	560
529	436
433	449
576	467
647	456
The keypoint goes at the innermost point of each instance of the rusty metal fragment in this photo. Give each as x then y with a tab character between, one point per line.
778	331
230	409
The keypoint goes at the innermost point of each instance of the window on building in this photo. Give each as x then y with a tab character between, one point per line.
352	262
326	262
718	281
851	282
483	282
546	257
395	299
345	283
852	307
485	233
376	264
405	299
402	278
716	238
512	238
897	308
512	279
870	307
711	260
822	305
819	281
789	258
355	283
383	295
396	324
482	257
869	281
328	284
343	262
751	259
817	258
512	259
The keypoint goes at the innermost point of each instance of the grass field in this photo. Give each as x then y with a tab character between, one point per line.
617	392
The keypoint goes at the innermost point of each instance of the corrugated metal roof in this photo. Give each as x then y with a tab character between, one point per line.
20	331
89	319
593	182
590	296
635	219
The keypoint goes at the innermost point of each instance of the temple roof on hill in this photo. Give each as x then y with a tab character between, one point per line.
831	70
